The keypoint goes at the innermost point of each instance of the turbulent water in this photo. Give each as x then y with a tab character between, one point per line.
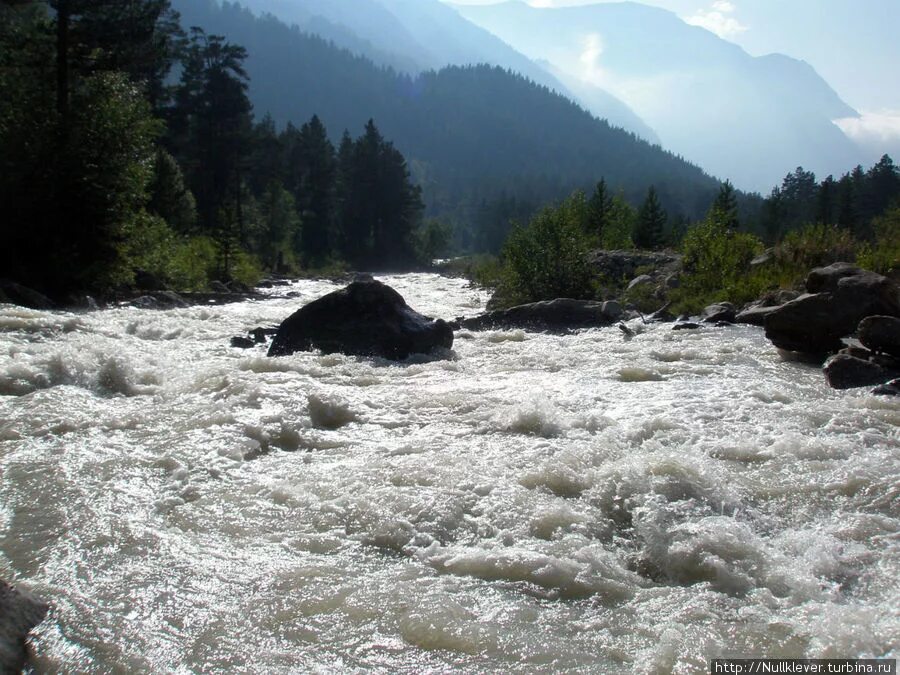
528	502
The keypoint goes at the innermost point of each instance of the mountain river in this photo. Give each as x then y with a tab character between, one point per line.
527	503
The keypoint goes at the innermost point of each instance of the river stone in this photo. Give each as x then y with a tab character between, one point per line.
19	613
881	334
754	316
891	388
550	315
367	318
719	312
17	294
841	296
845	372
241	342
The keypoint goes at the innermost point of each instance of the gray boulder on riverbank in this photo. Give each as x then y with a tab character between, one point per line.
367	318
839	297
19	613
844	371
551	315
881	334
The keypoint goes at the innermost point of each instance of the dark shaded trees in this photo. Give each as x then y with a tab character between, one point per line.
77	148
316	191
649	231
211	134
380	207
600	208
725	206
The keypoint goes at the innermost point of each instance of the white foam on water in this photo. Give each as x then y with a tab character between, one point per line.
529	502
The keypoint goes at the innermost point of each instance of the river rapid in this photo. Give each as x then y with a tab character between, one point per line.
528	503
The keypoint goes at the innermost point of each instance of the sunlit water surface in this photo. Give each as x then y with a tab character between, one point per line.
528	503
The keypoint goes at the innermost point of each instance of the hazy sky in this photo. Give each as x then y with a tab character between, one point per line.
852	43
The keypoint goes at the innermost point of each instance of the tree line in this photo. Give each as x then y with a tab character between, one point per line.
113	171
805	224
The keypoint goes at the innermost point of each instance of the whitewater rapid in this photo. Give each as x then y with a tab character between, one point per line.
525	503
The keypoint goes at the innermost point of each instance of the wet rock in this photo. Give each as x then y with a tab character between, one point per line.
219	287
551	315
662	315
17	294
826	279
754	316
159	300
718	313
367	318
891	388
686	325
235	286
170	299
881	334
261	334
841	296
846	372
240	342
755	313
857	352
19	613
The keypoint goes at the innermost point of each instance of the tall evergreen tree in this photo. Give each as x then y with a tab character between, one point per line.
380	208
317	190
826	204
212	122
599	210
726	207
649	232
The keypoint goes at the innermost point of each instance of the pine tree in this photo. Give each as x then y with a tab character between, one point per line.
599	209
213	117
651	222
317	192
726	207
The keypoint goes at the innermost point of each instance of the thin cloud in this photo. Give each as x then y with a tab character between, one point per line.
718	19
870	128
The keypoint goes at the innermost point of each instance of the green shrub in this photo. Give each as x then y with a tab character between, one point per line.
246	268
884	256
194	264
716	264
812	246
150	245
620	223
548	258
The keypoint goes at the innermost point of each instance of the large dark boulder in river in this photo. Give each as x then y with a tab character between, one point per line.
756	312
550	315
367	318
841	295
881	334
719	312
17	294
845	372
19	613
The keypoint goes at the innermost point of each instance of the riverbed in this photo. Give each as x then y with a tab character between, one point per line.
523	503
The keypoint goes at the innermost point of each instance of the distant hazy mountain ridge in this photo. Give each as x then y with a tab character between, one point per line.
469	133
417	35
749	119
